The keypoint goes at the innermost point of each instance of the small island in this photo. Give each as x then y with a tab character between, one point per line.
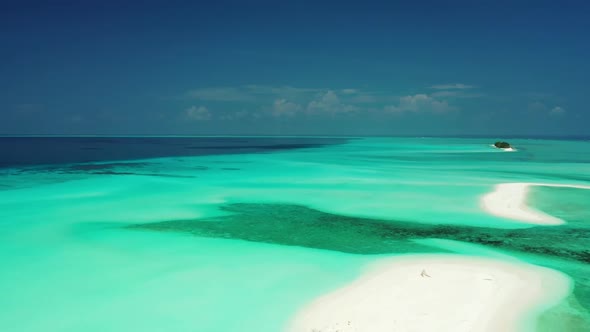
502	145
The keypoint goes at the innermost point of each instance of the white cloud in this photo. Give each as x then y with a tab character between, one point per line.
315	98
282	107
557	110
277	101
445	93
349	91
453	86
419	103
200	113
329	102
539	107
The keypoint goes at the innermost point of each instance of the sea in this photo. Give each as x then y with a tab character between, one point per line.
239	233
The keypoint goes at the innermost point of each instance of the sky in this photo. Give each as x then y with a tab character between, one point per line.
418	68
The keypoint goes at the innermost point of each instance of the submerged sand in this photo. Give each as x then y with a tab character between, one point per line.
437	293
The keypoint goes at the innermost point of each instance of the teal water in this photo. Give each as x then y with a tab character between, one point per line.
228	242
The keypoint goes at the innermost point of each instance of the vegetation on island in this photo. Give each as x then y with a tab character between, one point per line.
502	145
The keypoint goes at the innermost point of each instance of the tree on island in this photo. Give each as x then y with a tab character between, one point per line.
502	145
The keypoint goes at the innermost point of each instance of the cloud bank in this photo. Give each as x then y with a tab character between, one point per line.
200	113
452	86
288	101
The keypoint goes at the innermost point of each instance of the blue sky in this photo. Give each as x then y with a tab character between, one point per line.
301	67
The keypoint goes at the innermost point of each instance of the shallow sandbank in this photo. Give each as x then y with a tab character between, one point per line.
437	293
508	200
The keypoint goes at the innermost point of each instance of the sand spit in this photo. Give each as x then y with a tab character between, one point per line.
508	200
437	293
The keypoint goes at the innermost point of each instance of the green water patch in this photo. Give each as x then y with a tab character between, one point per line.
563	247
296	225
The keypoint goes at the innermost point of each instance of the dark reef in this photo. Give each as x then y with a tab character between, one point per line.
301	226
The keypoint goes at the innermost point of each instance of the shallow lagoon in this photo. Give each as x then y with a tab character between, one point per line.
225	240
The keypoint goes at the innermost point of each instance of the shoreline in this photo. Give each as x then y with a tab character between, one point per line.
510	149
437	293
508	200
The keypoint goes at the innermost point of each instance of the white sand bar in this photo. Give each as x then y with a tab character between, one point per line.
437	293
508	200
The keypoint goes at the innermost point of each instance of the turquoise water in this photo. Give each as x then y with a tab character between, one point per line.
239	242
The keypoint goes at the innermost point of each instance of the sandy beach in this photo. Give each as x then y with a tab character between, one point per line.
437	293
508	200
